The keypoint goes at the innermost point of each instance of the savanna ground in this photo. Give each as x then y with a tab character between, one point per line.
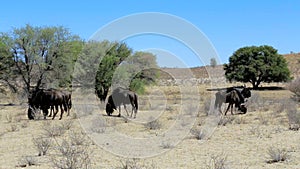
245	141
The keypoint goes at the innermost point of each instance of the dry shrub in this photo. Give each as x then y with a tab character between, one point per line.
277	155
27	161
218	162
52	130
12	128
224	120
153	124
42	144
255	102
198	133
135	164
69	156
293	117
294	87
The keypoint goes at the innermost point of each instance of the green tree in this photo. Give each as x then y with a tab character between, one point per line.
257	64
7	67
43	56
137	71
116	53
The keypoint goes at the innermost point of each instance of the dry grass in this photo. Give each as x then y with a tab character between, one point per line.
245	138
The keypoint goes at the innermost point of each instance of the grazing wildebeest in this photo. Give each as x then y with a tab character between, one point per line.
67	99
120	97
232	96
45	99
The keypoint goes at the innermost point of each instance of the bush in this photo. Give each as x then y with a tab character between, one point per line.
277	155
154	124
294	87
199	134
42	144
69	156
218	162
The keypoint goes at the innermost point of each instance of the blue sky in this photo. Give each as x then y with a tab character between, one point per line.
228	24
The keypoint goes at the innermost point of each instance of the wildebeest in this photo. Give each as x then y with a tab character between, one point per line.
44	99
121	96
233	96
67	98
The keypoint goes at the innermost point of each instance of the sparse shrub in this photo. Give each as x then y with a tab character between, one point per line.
78	139
224	120
42	144
24	124
27	161
293	117
166	145
218	162
68	156
12	128
51	130
199	134
277	155
255	102
153	124
98	125
294	87
135	164
67	124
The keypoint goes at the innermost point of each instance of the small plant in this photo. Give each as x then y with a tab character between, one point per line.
277	155
78	139
166	145
294	87
27	161
199	134
67	124
293	117
135	164
12	128
53	130
153	124
218	162
224	120
42	144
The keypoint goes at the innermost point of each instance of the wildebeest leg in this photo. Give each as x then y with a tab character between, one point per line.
51	111
126	110
56	111
45	112
119	111
61	112
227	108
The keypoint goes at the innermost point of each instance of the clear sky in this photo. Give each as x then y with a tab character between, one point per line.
228	24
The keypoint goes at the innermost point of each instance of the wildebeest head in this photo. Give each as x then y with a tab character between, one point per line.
246	92
31	113
110	106
243	108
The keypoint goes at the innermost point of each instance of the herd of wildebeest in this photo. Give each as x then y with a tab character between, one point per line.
54	99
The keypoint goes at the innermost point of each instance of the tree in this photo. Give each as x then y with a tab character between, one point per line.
120	68
7	68
116	53
42	56
257	64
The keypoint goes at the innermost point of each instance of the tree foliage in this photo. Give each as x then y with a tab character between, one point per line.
257	64
42	56
120	68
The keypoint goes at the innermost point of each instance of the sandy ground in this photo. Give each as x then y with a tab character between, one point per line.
244	140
